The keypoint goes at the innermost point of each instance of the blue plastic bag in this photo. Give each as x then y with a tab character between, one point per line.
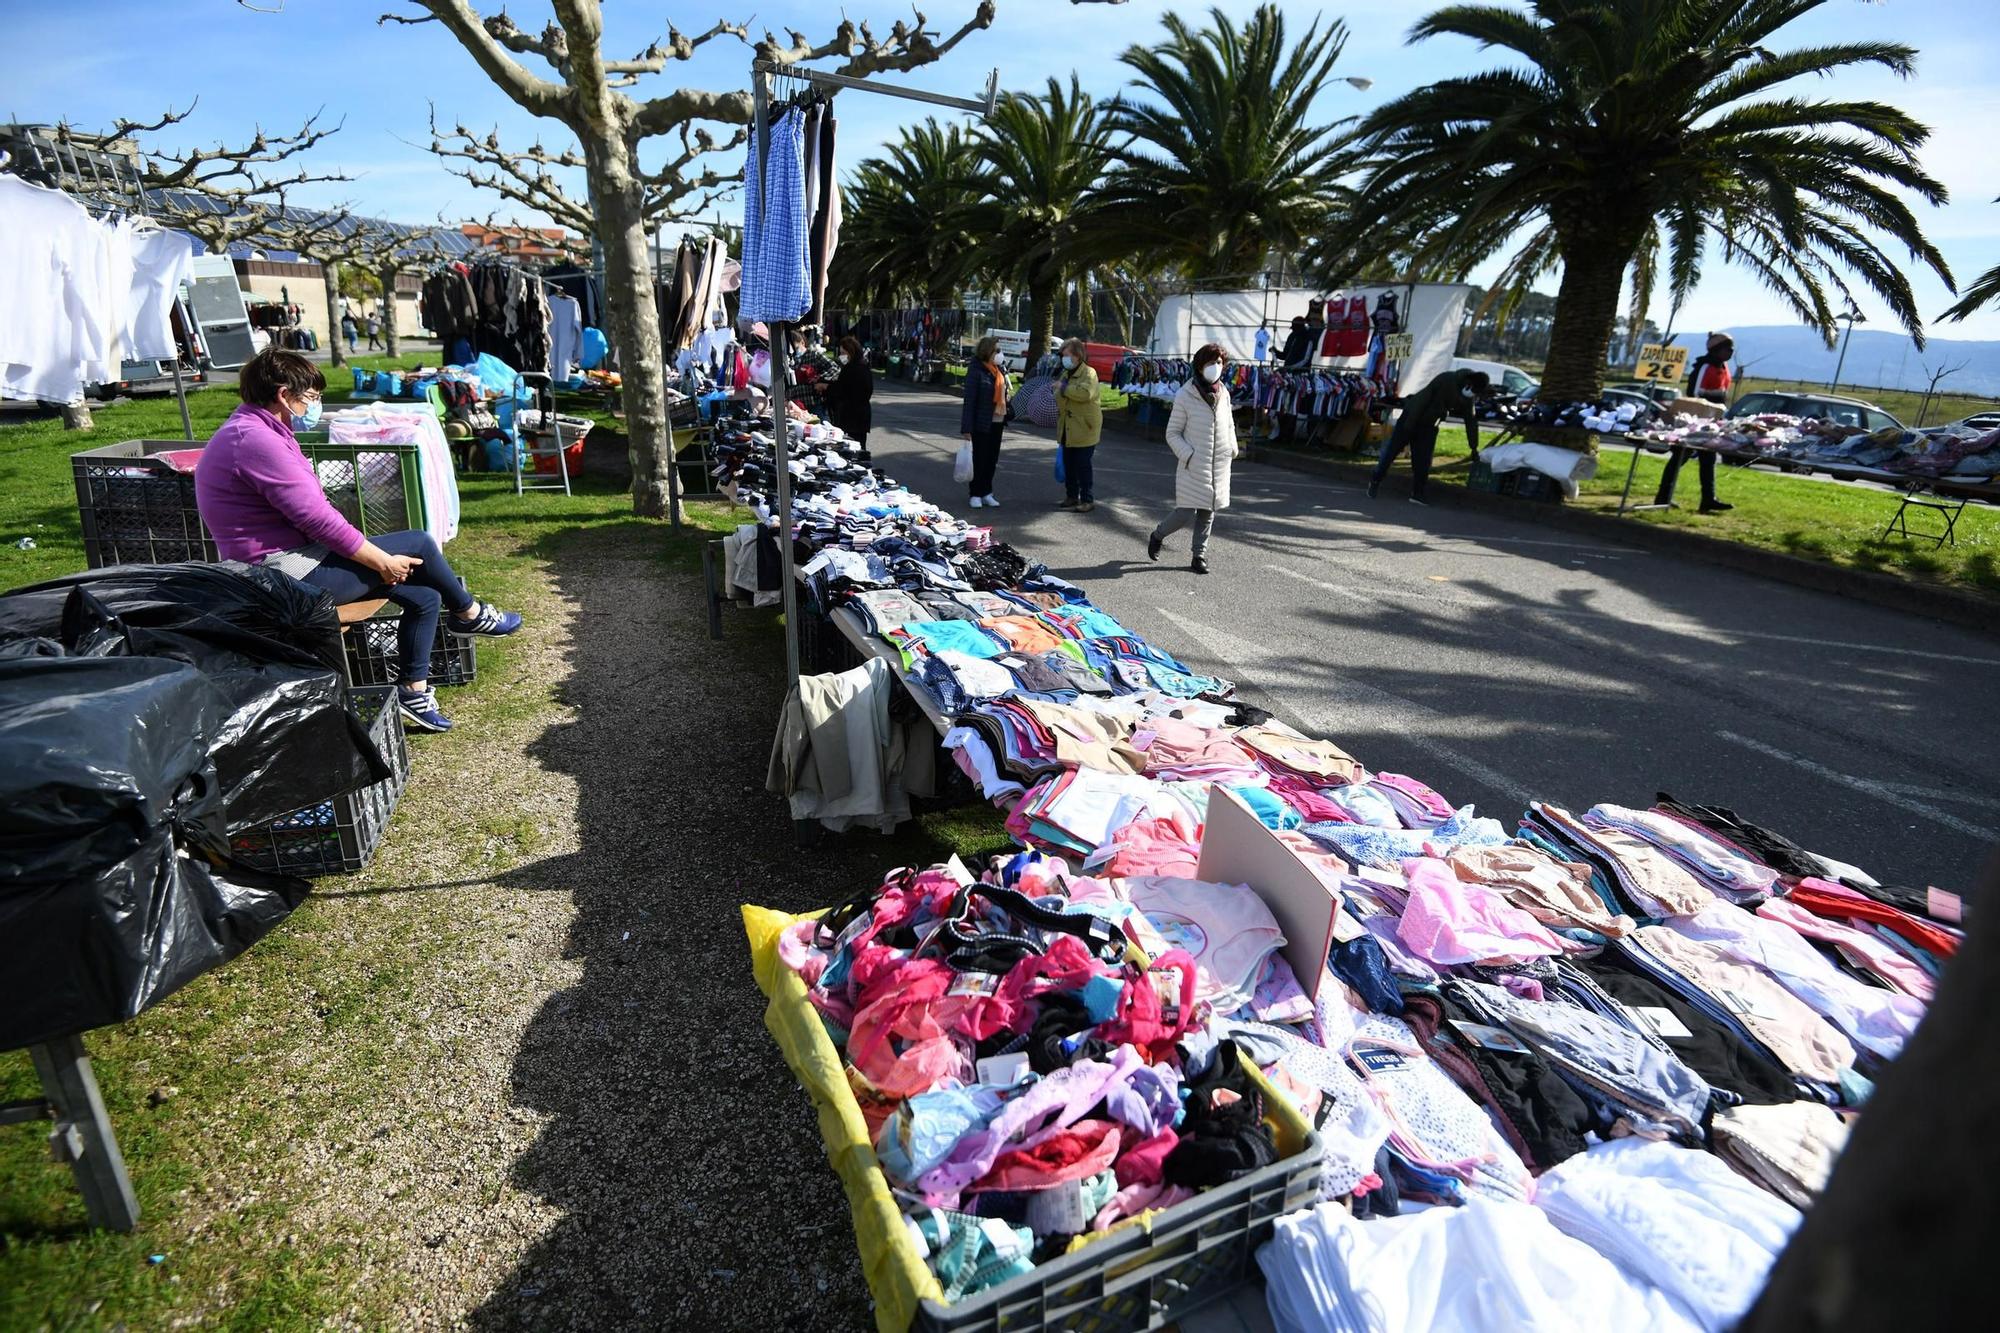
1059	467
595	349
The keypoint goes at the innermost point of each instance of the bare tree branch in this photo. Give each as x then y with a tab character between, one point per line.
521	177
531	92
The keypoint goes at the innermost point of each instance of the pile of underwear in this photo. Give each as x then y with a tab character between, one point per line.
1954	452
1640	1034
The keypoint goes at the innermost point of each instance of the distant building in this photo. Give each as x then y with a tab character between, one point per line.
551	243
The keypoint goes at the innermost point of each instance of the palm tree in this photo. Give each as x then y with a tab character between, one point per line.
1224	163
1631	124
1985	290
909	216
1042	158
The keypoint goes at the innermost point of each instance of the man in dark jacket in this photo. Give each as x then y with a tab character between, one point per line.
1454	393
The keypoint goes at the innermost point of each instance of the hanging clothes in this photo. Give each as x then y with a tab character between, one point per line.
65	280
777	279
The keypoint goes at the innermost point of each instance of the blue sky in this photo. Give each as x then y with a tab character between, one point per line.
100	59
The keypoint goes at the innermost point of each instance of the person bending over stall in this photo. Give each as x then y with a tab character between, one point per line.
1454	393
261	498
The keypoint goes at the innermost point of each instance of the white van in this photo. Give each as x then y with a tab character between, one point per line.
1507	379
1013	348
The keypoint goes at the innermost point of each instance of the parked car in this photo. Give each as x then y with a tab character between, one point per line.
1846	411
1506	379
1980	421
1652	389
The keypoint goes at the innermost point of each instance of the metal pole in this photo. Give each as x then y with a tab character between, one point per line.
781	393
1841	364
180	396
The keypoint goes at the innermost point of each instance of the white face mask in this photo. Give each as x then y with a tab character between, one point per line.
1212	371
1069	363
1468	393
845	358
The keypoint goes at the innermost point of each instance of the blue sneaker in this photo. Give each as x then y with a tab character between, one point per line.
486	618
420	709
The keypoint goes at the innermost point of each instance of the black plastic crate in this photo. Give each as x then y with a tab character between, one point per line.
137	509
374	657
339	836
1537	486
1134	1279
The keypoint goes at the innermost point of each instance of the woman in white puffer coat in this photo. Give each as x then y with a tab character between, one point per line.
1202	434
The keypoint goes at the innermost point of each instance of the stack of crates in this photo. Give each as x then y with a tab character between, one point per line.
339	836
137	508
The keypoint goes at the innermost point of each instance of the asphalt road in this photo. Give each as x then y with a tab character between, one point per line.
1503	662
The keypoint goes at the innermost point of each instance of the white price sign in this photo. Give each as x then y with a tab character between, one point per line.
1398	346
1659	361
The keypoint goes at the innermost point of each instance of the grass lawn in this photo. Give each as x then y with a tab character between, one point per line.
251	1102
1821	520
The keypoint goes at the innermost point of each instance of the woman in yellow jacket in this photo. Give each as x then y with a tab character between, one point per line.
1079	425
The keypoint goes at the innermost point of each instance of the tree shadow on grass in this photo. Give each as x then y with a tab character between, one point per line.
686	1165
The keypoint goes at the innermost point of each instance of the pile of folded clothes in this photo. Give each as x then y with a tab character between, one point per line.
1614	1053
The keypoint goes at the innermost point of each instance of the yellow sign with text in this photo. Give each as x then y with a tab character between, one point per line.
1660	361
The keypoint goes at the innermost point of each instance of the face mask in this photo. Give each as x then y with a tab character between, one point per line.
1069	363
845	358
1468	393
307	419
1212	371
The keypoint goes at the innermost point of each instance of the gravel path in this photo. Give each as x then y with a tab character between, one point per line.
681	1163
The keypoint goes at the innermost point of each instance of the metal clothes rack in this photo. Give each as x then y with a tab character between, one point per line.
764	74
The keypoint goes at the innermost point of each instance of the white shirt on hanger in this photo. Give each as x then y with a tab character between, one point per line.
161	262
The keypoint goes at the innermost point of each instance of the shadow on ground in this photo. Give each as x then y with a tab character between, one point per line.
687	1164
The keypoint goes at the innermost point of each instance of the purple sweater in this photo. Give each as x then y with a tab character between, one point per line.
259	495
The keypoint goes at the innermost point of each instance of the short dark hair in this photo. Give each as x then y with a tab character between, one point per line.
274	371
852	346
1298	321
1481	382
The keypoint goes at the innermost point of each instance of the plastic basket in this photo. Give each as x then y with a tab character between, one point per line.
339	836
137	509
374	657
1136	1276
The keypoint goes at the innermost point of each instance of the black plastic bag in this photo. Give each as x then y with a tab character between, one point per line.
268	643
116	884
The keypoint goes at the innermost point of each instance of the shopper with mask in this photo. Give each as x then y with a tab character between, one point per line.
1202	433
1456	393
259	495
1296	355
847	396
983	417
1079	425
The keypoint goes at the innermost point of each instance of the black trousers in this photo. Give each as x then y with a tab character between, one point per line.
1672	474
1078	473
985	458
1421	444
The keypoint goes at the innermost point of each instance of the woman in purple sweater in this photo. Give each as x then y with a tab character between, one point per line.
259	496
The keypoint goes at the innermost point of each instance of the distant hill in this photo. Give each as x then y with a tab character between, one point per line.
1874	360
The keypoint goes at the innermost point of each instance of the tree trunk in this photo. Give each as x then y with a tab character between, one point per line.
76	415
1042	296
391	345
1594	262
337	350
635	332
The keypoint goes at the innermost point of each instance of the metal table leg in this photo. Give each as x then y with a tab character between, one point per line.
83	1136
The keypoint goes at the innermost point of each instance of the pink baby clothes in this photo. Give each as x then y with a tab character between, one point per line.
1314	805
1225	927
1556	893
1447	921
1144	1161
1152	845
1084	1149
